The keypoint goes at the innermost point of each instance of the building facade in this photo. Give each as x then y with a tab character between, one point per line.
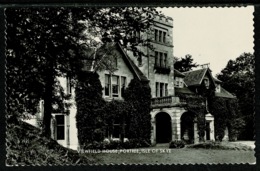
157	68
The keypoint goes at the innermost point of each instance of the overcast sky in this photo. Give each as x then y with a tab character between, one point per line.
212	35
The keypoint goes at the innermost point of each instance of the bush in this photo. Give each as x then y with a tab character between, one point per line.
177	144
115	144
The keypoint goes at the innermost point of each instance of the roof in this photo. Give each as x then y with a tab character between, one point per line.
194	78
91	53
224	93
132	66
217	80
184	90
178	73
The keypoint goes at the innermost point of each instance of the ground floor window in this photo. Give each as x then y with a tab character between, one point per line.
60	125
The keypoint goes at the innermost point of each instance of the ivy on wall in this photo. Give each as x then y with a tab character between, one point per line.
225	111
96	118
138	97
90	108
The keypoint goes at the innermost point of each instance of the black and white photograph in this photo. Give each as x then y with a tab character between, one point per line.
129	85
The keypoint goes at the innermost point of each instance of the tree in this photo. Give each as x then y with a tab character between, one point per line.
238	78
138	98
184	64
45	43
90	108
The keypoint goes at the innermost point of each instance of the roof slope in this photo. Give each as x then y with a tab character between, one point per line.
194	78
224	93
90	55
178	73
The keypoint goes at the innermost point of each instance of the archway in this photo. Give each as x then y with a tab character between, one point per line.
163	128
187	127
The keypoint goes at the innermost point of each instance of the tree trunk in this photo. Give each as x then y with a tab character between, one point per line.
48	102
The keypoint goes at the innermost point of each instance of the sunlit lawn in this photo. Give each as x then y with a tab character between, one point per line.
181	156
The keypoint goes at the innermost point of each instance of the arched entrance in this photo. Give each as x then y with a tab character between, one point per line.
187	127
163	128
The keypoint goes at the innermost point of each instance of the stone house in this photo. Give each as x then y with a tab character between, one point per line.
156	68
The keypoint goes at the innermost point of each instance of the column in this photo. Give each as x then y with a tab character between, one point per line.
153	131
196	135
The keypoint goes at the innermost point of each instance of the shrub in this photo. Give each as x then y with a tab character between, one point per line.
138	98
177	144
90	108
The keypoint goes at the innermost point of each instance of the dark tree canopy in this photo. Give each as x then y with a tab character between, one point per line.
239	78
44	43
184	64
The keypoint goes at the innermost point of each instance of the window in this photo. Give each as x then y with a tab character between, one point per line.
68	82
161	89
107	85
60	120
123	86
206	82
164	37
115	86
156	35
160	36
178	82
166	89
161	59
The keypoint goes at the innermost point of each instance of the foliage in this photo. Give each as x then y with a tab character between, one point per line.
90	108
177	144
116	112
239	78
113	144
138	97
59	38
184	64
26	146
220	146
196	105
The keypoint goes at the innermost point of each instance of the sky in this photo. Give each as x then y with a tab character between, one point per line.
212	35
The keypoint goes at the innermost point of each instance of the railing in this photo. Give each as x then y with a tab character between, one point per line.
167	100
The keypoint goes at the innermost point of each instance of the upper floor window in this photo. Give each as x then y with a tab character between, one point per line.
114	85
68	85
160	36
161	89
161	59
178	82
206	82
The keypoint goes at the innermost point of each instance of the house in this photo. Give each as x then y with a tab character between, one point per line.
156	68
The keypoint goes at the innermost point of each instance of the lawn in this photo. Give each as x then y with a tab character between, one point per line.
182	156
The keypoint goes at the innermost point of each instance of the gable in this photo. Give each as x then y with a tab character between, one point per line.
195	78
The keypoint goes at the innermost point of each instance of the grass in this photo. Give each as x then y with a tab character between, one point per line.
209	152
25	146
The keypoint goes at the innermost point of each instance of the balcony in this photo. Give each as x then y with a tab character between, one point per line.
162	69
166	101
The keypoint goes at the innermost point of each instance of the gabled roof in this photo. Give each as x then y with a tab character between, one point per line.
195	77
178	74
184	90
132	65
224	93
134	69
